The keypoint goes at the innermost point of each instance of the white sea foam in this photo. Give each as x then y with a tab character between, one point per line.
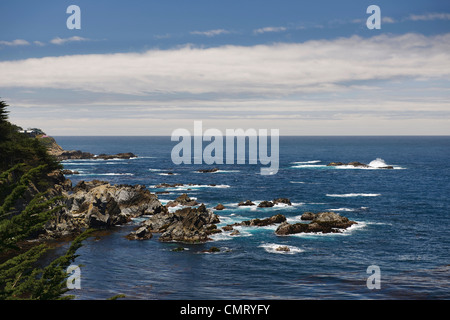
175	208
310	166
378	163
167	174
155	170
305	162
272	248
342	209
108	174
348	195
87	163
297	182
294	219
193	186
185	187
227	235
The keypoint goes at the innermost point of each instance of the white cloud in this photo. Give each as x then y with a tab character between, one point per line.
387	84
269	70
210	33
269	29
59	41
386	19
17	42
429	17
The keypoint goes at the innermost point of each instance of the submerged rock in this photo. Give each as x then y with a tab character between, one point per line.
211	250
208	170
283	248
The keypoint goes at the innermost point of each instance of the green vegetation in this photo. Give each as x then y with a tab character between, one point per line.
27	202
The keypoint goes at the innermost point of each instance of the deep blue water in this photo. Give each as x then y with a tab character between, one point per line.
402	215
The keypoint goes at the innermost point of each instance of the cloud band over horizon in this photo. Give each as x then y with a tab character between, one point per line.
317	79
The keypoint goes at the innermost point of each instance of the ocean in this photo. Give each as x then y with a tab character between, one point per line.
402	215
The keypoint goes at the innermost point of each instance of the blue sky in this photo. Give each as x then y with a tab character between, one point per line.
149	67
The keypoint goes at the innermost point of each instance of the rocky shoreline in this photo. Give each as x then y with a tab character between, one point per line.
100	205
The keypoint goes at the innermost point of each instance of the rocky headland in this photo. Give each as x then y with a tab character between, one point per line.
60	154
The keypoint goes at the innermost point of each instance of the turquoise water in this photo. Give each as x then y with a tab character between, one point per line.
402	217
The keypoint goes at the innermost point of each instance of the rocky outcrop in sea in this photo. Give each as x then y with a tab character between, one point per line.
190	225
324	222
356	164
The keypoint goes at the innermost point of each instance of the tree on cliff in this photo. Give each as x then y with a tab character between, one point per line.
25	206
3	112
3	119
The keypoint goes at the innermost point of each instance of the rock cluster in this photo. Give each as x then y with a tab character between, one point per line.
279	218
191	225
98	204
324	222
268	204
265	203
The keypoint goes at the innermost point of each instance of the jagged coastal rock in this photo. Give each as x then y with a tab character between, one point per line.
182	200
142	233
191	225
324	222
98	204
